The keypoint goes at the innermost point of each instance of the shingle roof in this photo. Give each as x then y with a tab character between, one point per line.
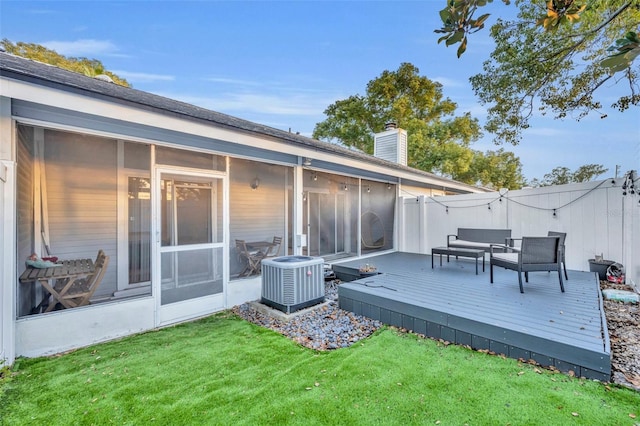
37	72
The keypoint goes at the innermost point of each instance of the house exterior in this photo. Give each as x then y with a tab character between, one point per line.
165	189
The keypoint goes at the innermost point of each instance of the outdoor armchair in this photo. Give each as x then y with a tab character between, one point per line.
515	246
535	254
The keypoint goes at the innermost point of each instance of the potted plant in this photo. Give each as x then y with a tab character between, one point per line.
600	265
367	270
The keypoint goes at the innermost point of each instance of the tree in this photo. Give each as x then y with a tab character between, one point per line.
495	169
438	140
588	172
562	175
557	58
88	67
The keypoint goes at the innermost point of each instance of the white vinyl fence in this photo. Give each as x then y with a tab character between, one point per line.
598	217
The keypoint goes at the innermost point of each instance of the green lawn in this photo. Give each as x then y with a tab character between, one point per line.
223	370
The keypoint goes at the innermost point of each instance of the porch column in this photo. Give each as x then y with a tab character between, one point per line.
299	236
8	276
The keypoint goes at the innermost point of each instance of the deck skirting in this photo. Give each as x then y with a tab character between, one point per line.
569	333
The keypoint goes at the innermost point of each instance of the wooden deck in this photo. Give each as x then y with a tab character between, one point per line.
565	330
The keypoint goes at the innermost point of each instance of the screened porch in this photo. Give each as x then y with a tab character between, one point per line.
80	193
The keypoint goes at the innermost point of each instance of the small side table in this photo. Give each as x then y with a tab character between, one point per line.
458	252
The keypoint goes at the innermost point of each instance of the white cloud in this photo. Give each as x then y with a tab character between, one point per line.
299	104
41	11
139	77
477	111
450	82
544	131
233	81
83	47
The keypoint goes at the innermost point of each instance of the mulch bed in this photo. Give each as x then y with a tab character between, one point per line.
623	322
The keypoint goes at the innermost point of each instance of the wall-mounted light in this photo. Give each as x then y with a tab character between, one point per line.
304	196
306	162
388	186
368	189
314	177
255	184
554	213
447	209
489	206
346	188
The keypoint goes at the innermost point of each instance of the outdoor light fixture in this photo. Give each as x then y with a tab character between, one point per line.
388	186
489	206
314	177
255	184
628	184
554	213
368	189
447	209
346	188
307	162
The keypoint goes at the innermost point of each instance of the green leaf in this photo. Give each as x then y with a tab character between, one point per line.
483	18
443	38
455	38
631	36
463	47
616	63
445	15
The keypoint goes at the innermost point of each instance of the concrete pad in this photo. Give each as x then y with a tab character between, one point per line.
283	316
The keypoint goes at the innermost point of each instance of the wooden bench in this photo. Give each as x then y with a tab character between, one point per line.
458	252
478	238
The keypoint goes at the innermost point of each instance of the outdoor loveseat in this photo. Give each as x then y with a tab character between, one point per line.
478	238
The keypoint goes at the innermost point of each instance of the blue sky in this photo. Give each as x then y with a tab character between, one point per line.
282	63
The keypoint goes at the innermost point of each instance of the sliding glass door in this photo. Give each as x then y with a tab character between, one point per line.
324	214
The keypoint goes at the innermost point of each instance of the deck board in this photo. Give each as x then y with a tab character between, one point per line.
566	330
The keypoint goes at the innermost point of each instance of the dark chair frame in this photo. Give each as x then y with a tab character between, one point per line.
563	237
535	254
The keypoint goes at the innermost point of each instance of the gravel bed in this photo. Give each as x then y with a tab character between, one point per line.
623	322
323	328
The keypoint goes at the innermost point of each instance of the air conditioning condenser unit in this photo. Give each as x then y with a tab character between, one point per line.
290	283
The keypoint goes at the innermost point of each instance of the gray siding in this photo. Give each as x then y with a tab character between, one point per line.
82	199
256	214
